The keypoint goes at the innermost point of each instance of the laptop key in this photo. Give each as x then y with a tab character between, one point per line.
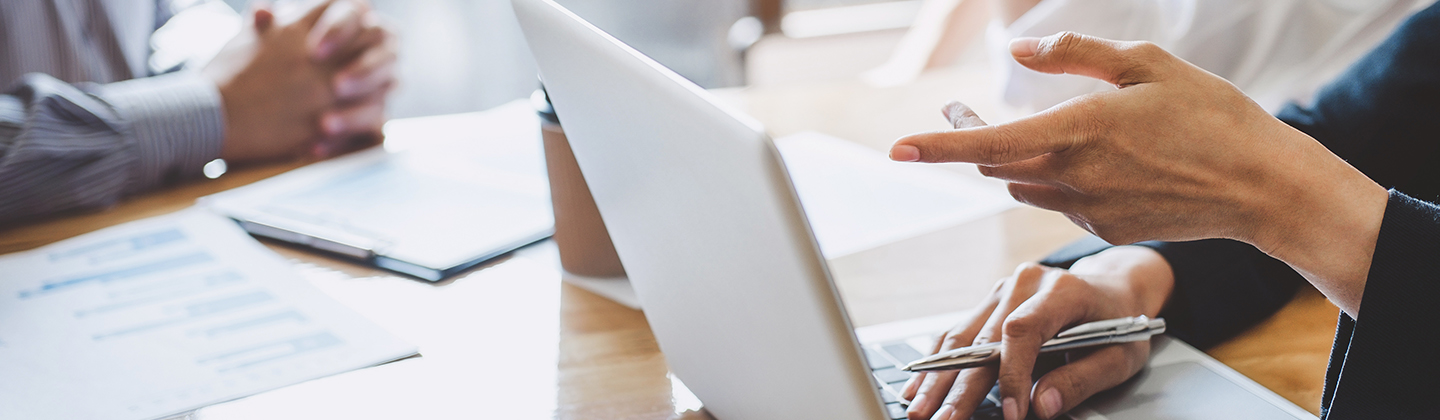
895	410
988	414
889	396
891	375
903	352
876	360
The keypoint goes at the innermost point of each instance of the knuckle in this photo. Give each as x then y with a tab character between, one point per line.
1029	276
1015	376
1030	268
1017	325
1084	125
955	341
1068	385
1146	50
1003	145
1065	43
1140	57
1063	280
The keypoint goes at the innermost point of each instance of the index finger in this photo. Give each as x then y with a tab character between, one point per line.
1027	329
927	390
1051	131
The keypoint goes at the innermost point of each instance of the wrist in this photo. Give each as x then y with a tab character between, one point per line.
1135	275
1324	223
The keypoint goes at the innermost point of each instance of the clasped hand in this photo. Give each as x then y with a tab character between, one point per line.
307	81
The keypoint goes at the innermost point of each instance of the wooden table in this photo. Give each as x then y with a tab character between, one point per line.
510	340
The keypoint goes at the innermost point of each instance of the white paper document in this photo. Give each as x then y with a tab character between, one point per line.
444	194
163	316
857	199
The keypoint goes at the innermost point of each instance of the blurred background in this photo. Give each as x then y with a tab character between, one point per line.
469	55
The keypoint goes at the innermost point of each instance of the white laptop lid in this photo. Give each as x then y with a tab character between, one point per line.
707	224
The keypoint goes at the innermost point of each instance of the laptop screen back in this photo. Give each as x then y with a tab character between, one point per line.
707	225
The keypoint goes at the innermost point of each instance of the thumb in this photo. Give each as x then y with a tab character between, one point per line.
1118	62
261	16
1067	386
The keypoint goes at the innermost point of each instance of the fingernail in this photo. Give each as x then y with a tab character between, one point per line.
1012	410
904	153
1049	404
333	125
1024	47
944	413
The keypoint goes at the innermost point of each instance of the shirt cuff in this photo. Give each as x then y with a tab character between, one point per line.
175	121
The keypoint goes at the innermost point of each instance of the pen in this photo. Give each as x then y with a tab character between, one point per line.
1098	333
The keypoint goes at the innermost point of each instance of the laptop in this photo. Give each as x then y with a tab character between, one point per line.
715	242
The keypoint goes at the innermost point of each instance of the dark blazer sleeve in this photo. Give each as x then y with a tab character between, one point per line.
1383	115
1383	365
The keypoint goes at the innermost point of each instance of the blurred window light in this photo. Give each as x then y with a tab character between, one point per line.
849	19
194	35
745	32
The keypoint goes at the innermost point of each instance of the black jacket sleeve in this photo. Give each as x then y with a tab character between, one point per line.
1383	116
1383	364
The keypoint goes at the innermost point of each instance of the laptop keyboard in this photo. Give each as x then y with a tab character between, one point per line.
885	361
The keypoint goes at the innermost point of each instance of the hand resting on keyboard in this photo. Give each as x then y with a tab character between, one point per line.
1030	307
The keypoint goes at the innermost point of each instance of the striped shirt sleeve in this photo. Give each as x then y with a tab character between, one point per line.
85	146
